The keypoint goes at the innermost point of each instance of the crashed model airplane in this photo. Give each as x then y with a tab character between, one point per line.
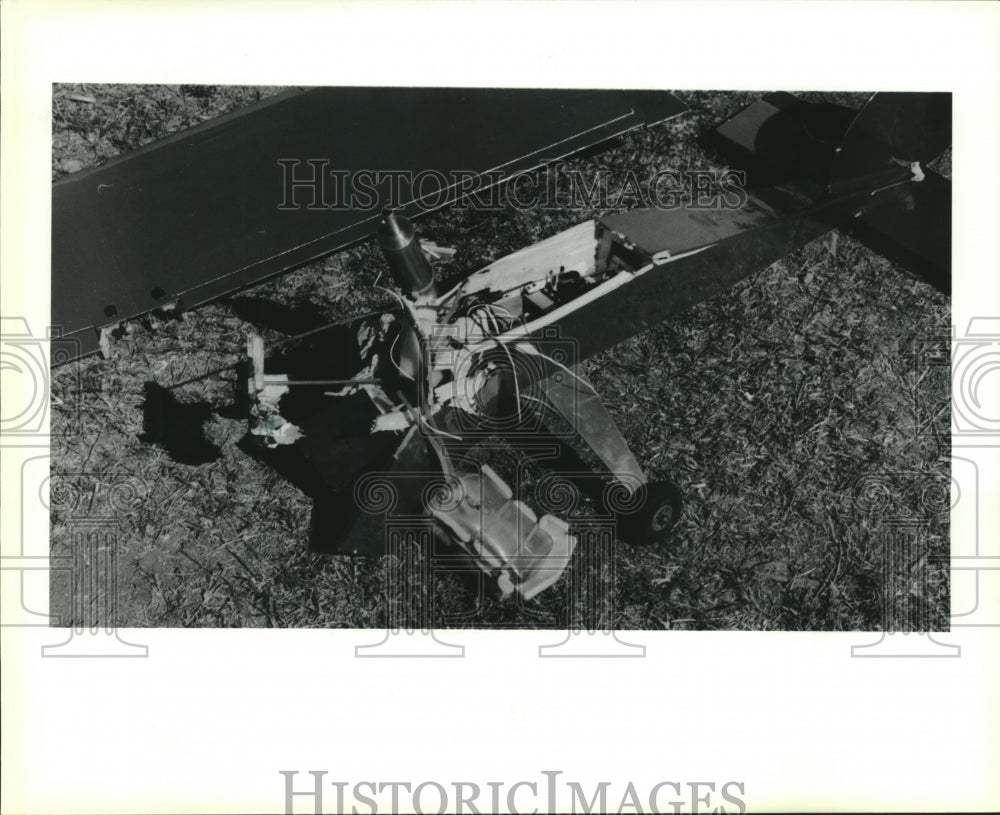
410	390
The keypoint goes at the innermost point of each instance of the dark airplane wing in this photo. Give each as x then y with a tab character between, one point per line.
213	209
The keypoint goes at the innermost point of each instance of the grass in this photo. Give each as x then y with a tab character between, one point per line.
804	414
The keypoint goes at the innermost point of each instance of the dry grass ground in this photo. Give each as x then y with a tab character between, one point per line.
804	413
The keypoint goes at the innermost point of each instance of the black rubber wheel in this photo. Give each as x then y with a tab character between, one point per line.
654	519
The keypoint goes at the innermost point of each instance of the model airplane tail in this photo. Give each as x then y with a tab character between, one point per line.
879	149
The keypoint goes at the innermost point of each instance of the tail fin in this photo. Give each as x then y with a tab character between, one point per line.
893	129
901	132
884	148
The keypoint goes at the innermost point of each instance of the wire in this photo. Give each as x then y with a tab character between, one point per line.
205	375
392	359
491	310
327	327
396	295
439	431
277	344
513	372
530	349
423	421
508	312
542	402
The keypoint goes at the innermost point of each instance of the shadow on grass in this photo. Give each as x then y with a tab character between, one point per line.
177	427
265	313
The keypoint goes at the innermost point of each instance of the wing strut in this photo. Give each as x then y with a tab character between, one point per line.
576	401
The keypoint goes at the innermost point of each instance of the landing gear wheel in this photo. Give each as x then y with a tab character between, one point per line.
653	521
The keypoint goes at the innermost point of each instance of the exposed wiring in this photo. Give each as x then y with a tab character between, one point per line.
508	312
418	419
425	423
392	357
399	298
542	402
530	349
513	372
